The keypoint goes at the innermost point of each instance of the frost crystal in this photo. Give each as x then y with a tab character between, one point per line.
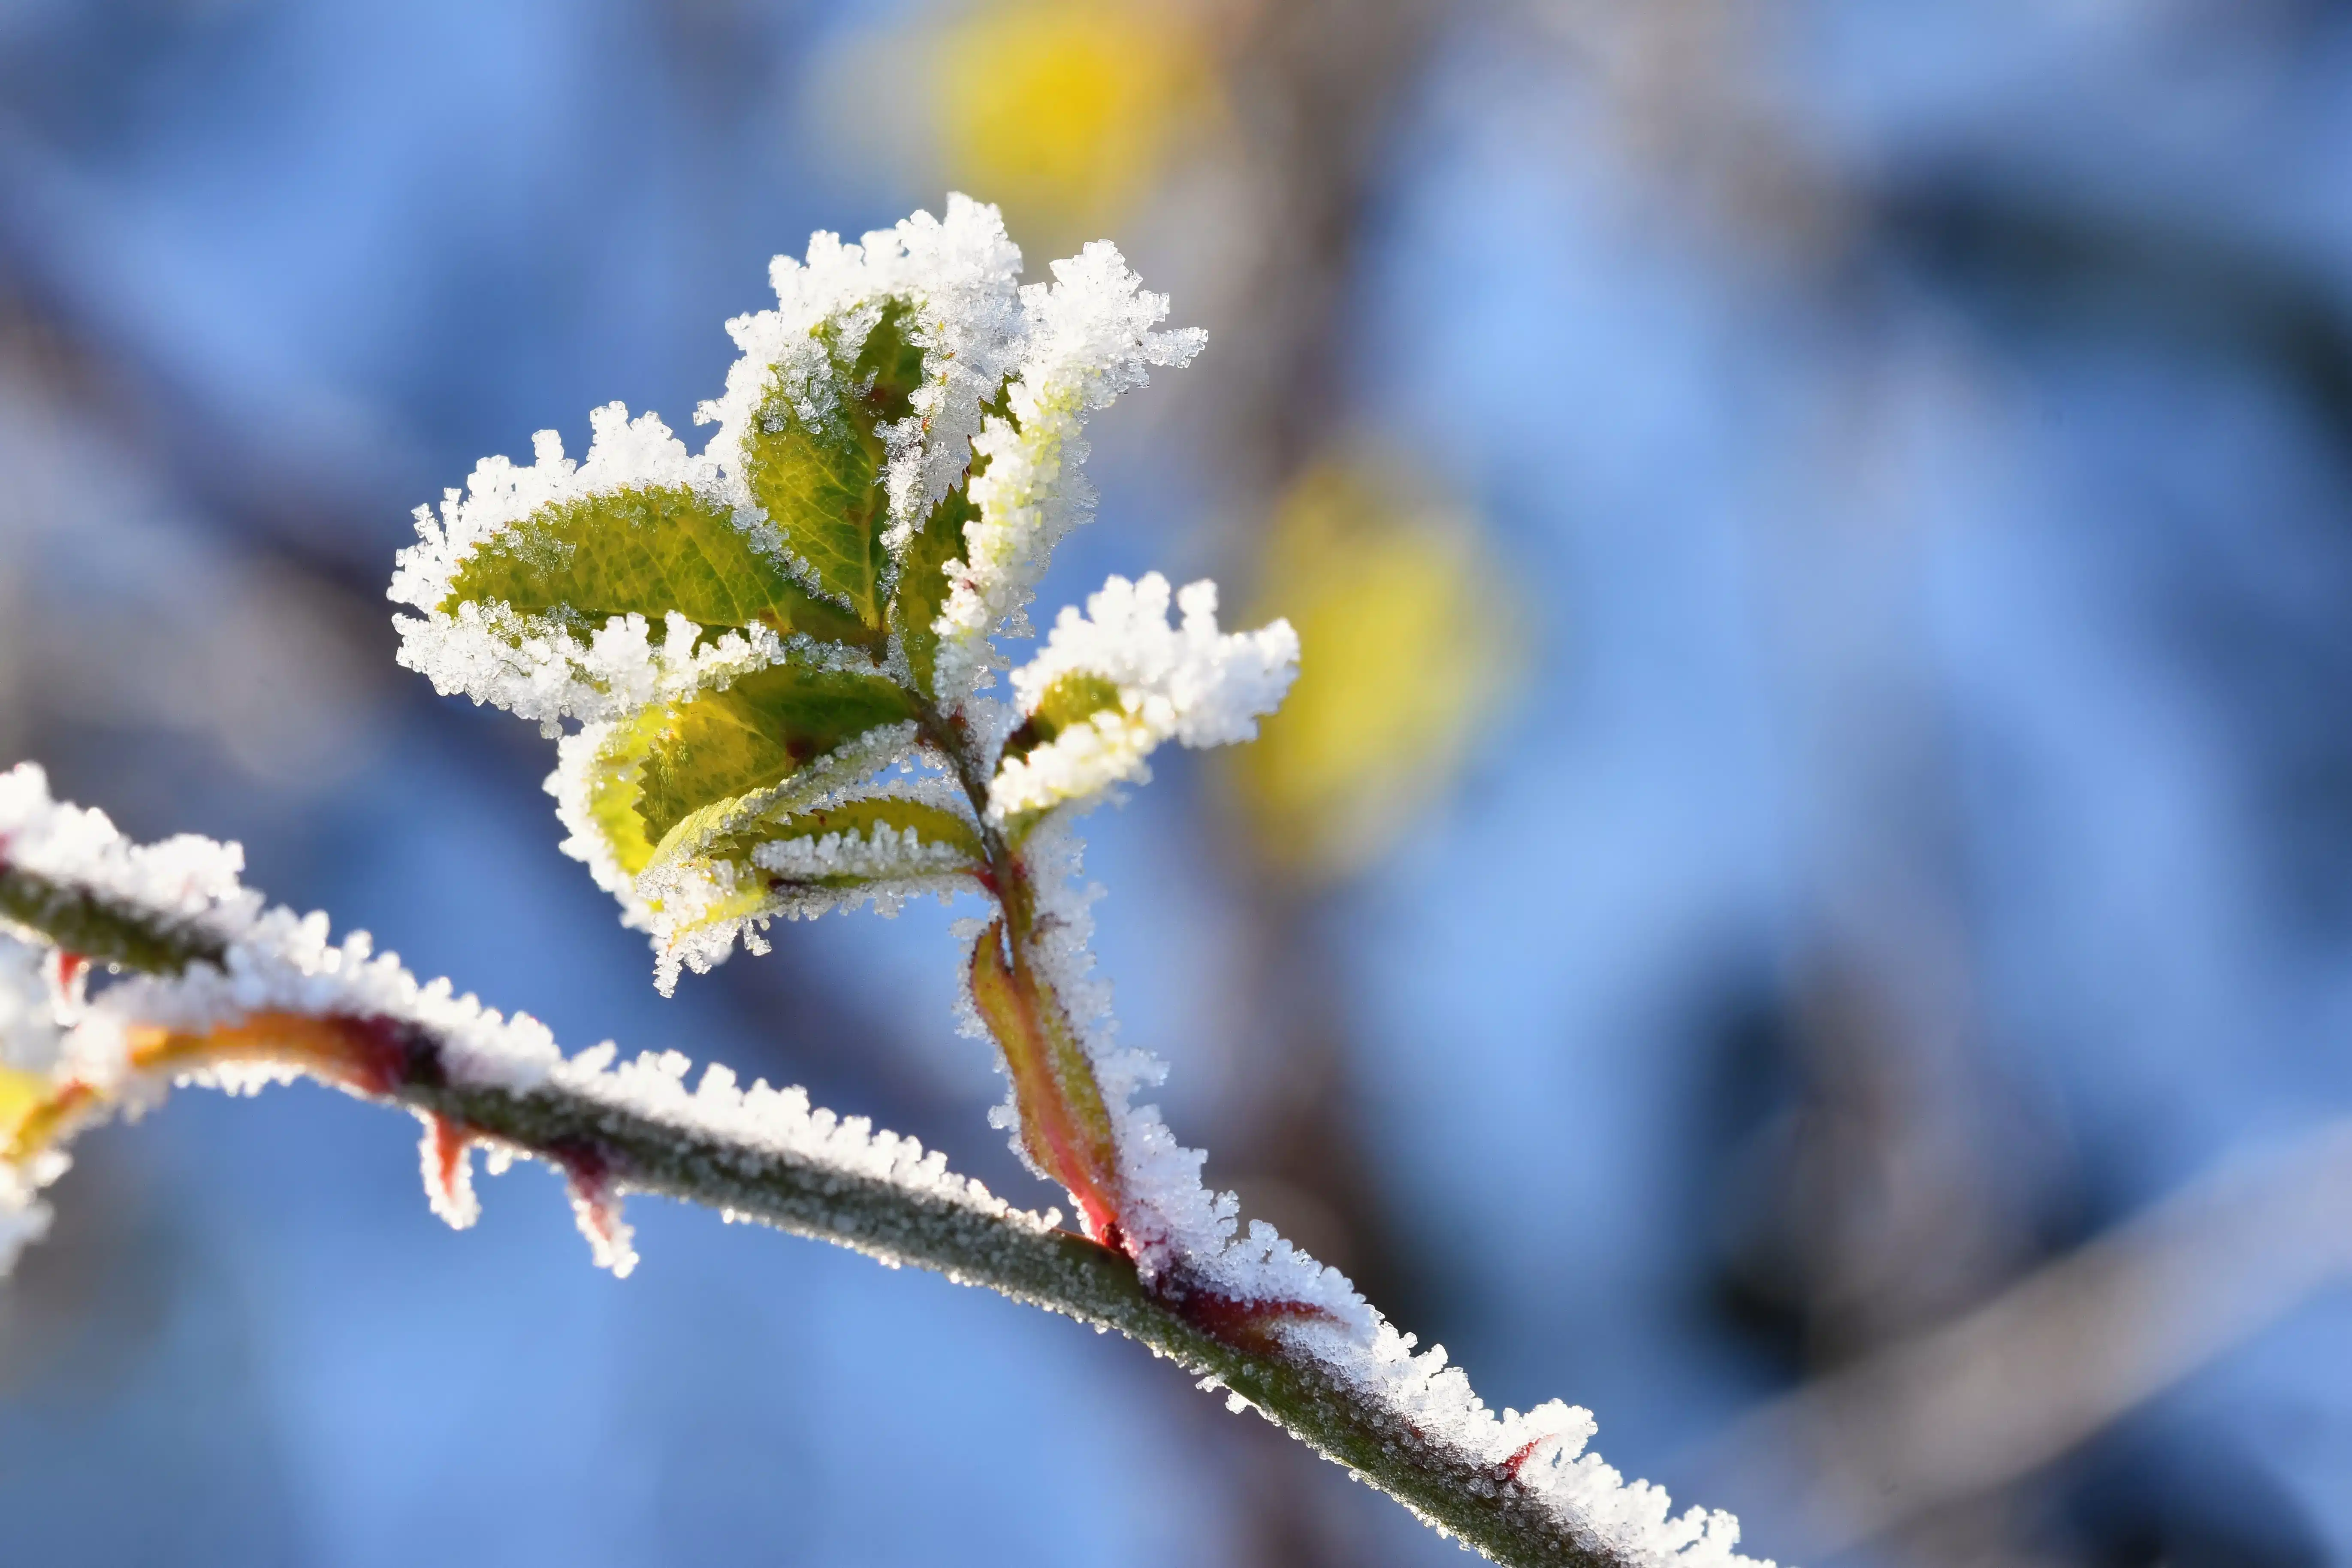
696	906
887	852
279	965
1188	683
186	880
586	636
1089	336
957	272
538	665
31	1038
1174	1224
1184	1237
586	839
31	1032
24	1217
749	637
275	960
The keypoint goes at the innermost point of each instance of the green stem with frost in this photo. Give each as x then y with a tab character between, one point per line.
1064	1125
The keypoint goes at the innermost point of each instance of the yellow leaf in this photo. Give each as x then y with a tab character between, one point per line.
1067	111
1406	629
21	1093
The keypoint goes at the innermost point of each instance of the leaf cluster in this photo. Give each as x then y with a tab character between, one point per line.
677	796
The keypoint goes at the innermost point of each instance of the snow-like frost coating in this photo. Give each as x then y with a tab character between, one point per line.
535	666
958	273
1067	348
1176	1228
32	1036
279	962
623	453
276	961
187	881
24	1217
694	907
886	854
1542	1448
572	783
775	1122
1188	683
1056	352
1184	1236
32	1033
1089	336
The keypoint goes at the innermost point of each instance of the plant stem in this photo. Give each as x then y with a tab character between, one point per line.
1064	1125
1484	1504
1057	1270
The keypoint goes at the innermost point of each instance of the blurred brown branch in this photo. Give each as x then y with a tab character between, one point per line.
1984	1400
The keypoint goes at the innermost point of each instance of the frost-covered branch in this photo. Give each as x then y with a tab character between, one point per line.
214	990
775	653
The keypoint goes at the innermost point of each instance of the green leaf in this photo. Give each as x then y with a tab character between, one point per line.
938	545
613	788
711	750
820	479
1073	698
650	551
923	581
930	824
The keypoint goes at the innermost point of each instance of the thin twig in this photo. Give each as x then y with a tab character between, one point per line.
1486	1505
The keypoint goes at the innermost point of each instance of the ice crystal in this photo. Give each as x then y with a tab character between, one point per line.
1182	1235
1186	1238
278	964
957	272
1188	683
845	603
184	881
24	1217
1090	336
31	1032
274	961
559	589
542	666
696	906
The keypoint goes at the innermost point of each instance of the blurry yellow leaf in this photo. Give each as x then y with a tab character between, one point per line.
20	1092
1407	639
1064	112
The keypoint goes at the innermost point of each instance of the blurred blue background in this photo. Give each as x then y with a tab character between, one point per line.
1828	528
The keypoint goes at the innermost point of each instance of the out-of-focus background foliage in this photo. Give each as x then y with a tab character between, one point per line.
1821	788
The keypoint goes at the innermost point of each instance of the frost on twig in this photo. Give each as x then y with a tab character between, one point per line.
772	654
752	635
1112	684
275	999
775	650
214	989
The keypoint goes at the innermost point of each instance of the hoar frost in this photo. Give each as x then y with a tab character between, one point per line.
276	964
959	273
1187	683
897	451
534	666
1009	374
1090	337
